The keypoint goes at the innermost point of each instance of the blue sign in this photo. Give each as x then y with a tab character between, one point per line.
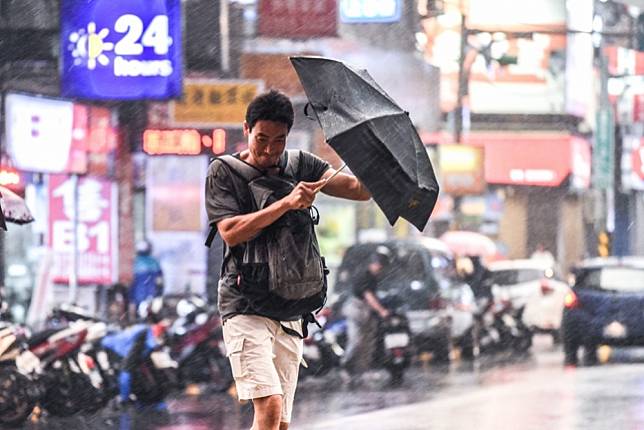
121	49
364	11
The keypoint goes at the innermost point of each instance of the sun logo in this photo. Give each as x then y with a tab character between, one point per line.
88	45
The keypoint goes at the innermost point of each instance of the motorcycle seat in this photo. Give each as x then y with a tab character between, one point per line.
41	336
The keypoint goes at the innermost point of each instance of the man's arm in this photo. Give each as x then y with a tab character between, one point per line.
242	228
374	304
345	186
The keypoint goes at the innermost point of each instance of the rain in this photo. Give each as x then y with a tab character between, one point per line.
321	214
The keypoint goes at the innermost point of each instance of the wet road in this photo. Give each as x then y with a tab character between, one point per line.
532	392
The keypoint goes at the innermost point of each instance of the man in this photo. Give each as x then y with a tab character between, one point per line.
148	277
264	358
361	310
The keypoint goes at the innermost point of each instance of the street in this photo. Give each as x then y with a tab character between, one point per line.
503	392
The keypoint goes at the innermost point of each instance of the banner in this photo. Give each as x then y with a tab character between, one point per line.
96	229
298	18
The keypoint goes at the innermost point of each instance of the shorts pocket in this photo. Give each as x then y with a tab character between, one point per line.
234	351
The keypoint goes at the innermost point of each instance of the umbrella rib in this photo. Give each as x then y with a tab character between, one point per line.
357	124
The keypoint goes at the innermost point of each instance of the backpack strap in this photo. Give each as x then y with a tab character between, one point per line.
293	166
306	320
242	170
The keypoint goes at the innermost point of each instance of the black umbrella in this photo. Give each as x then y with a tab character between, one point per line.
13	208
373	135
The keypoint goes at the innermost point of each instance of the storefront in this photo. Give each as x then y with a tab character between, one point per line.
64	153
541	178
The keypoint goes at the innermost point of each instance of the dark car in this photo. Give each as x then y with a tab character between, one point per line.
604	307
416	276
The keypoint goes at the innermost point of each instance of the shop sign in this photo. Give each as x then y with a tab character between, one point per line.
604	149
633	163
39	133
213	102
298	18
365	11
96	229
638	160
461	169
121	49
275	70
184	142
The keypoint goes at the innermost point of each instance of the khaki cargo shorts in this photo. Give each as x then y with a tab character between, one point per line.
265	360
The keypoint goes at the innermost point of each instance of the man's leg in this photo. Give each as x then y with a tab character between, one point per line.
288	356
249	343
268	413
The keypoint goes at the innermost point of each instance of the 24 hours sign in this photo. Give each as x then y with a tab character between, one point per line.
121	49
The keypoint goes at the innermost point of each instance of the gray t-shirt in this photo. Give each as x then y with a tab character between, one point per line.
227	196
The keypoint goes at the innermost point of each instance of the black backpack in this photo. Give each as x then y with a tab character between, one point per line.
282	274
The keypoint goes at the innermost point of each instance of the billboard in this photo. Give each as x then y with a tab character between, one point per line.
298	18
96	231
363	11
121	49
39	133
517	63
214	102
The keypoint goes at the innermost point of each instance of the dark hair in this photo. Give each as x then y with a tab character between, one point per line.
270	106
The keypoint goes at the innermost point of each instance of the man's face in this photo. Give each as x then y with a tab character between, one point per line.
266	142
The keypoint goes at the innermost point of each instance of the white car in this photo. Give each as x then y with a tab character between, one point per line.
535	284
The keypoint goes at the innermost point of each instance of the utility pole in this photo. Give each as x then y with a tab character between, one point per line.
462	83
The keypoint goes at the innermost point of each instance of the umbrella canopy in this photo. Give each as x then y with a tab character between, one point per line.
373	135
14	208
466	243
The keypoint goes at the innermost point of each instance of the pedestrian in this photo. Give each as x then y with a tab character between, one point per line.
148	277
362	310
265	359
541	253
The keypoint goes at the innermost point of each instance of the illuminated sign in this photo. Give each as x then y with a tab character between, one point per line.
9	177
361	11
121	49
184	142
39	133
96	226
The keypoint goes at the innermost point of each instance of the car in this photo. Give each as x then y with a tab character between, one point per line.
423	278
534	285
604	307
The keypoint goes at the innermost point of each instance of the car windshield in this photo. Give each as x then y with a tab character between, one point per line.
515	276
622	279
407	266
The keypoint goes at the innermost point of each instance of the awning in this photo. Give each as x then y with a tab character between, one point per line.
528	158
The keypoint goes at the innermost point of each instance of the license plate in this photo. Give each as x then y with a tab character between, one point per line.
312	352
396	340
615	330
162	360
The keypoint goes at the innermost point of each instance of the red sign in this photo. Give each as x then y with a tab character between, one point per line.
638	159
539	160
184	142
96	229
298	18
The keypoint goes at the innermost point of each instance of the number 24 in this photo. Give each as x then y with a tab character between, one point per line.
155	36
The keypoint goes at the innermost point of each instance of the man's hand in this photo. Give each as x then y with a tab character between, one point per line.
303	194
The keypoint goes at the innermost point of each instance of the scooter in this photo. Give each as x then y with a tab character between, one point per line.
196	343
18	393
322	351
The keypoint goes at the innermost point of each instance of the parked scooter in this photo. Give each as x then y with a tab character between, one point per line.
501	327
322	350
196	343
18	393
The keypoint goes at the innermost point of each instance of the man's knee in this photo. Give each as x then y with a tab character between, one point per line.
268	410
